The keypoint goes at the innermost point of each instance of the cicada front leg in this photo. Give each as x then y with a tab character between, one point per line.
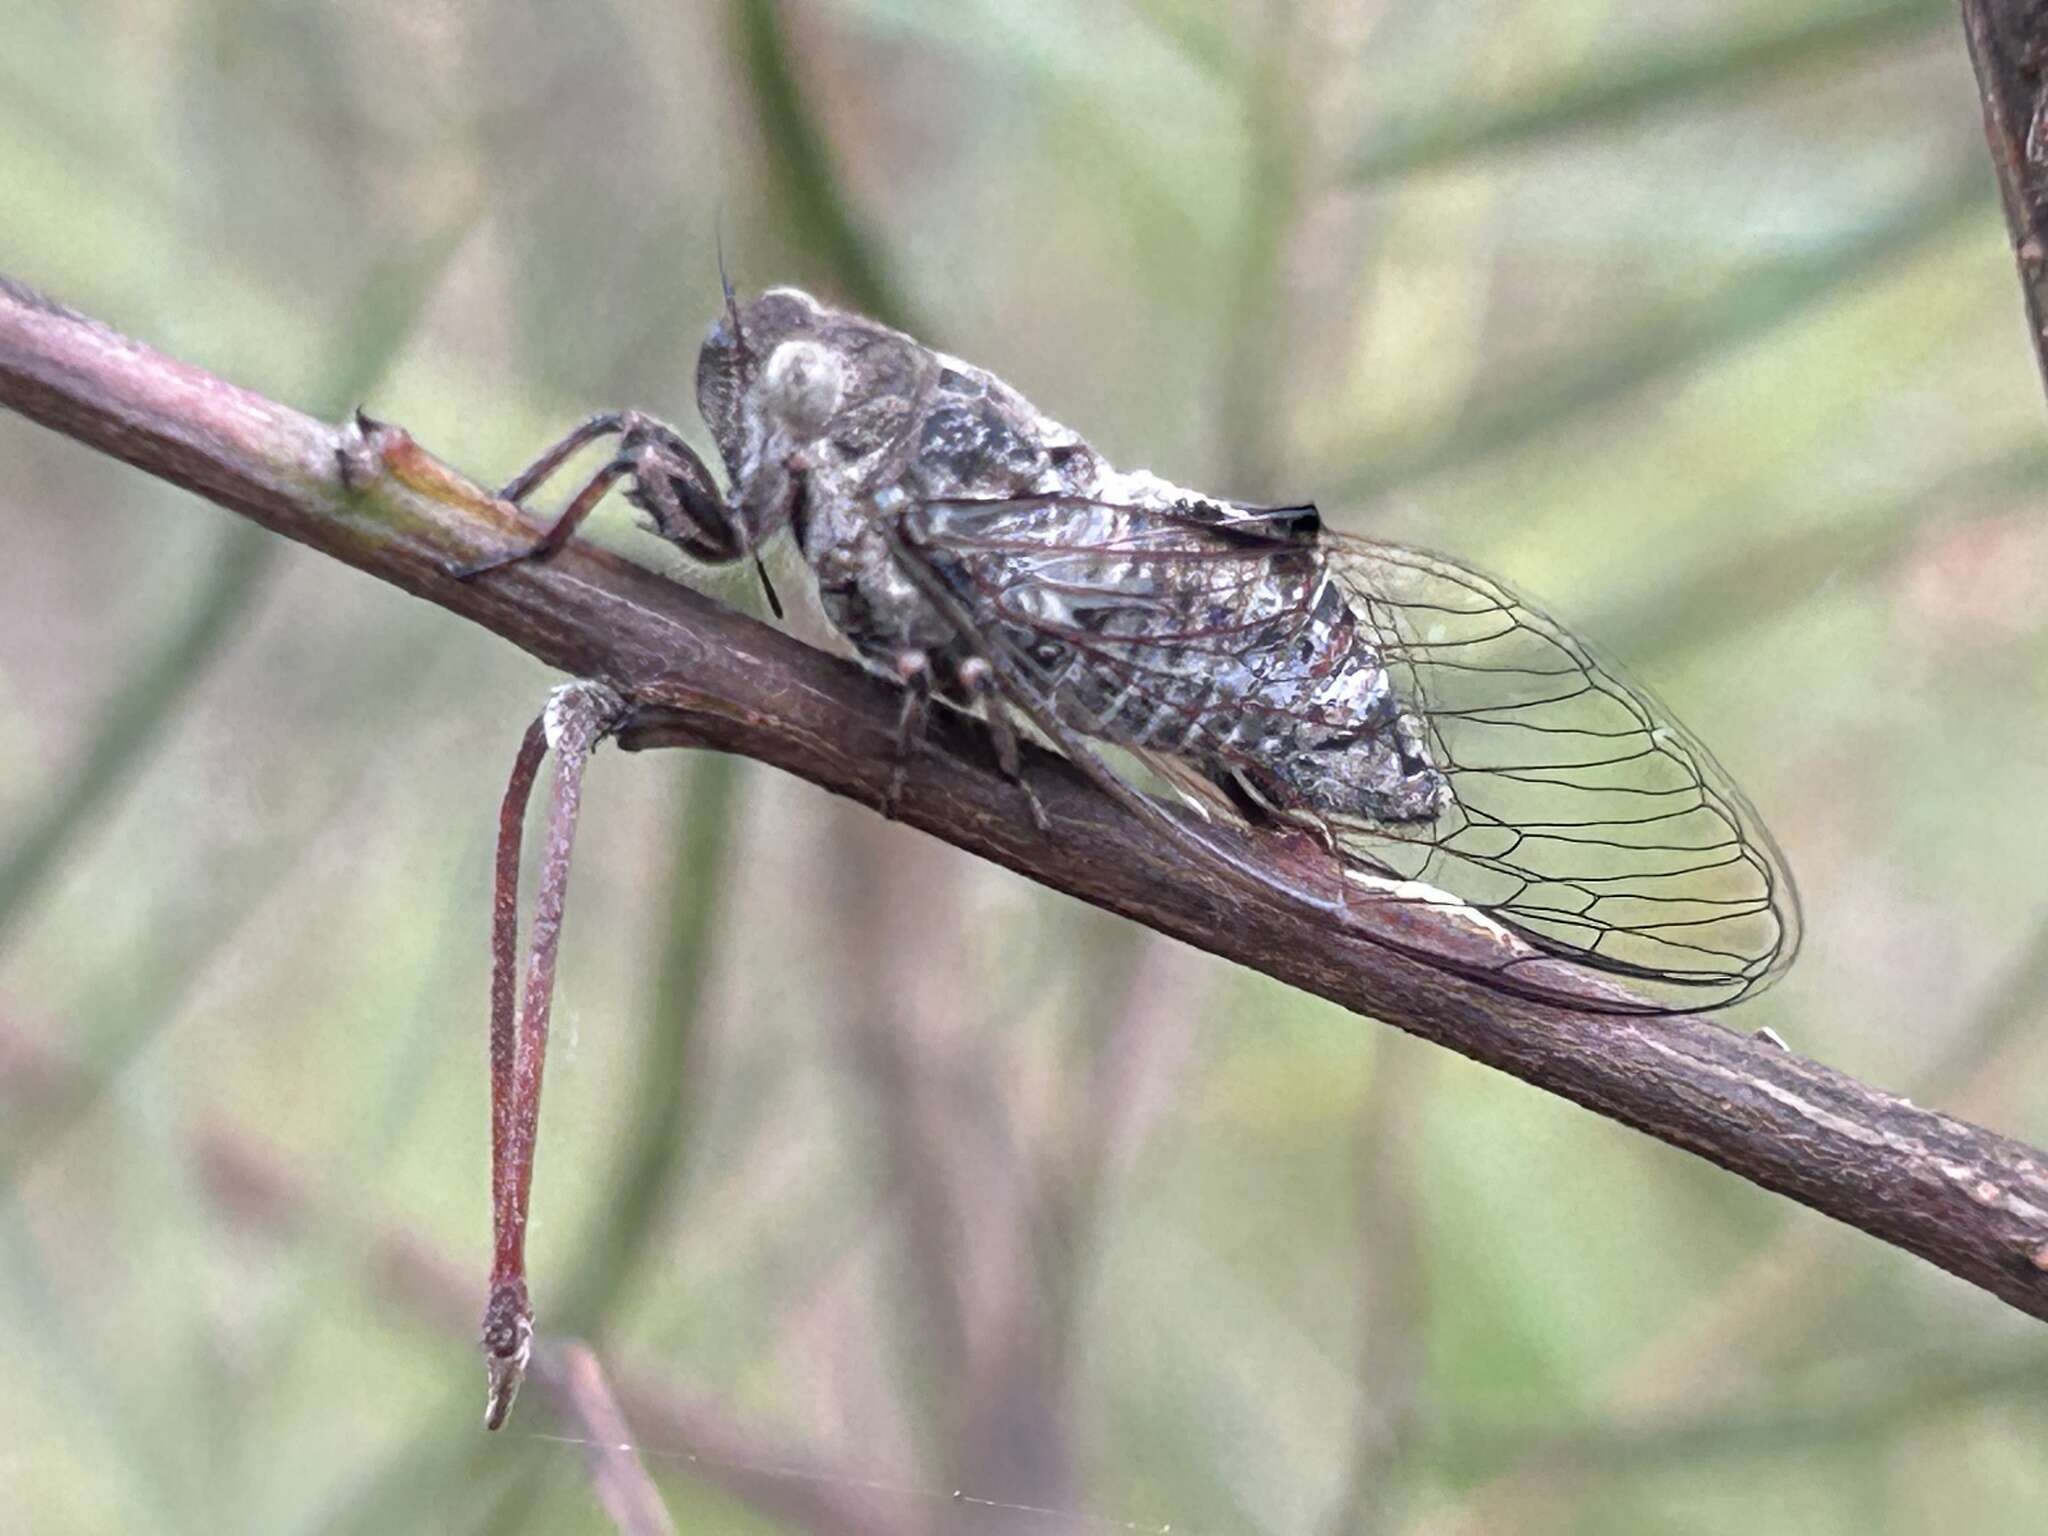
664	477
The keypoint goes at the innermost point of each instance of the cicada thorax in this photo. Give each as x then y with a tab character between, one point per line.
922	440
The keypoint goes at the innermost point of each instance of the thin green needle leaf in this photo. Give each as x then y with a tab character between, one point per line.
126	1007
387	311
1195	31
156	691
1251	355
1560	389
2010	1009
816	202
1890	1397
1655	82
152	696
429	1469
84	1385
1781	575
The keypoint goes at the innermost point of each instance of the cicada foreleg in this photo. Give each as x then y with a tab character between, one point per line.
664	476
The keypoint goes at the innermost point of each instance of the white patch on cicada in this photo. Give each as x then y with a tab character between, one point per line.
1141	488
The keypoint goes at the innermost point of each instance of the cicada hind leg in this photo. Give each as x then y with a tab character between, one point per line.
664	476
977	683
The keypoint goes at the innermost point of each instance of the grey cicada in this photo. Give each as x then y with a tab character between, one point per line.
1442	738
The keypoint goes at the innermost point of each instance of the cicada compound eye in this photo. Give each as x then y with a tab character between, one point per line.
803	386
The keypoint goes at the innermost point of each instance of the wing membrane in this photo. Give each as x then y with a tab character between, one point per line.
1580	814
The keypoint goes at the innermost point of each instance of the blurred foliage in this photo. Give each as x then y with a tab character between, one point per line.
1695	319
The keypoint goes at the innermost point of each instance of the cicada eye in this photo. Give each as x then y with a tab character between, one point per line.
803	386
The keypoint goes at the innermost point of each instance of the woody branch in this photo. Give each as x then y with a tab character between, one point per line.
698	674
2008	42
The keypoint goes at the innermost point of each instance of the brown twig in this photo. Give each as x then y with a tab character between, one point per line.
508	1315
575	720
697	674
2009	48
1765	1308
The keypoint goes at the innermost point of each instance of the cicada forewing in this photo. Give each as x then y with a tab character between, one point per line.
1500	767
1582	814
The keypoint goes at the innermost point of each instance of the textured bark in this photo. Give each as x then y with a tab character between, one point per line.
697	674
2009	47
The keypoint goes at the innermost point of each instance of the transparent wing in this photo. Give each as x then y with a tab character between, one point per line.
1580	815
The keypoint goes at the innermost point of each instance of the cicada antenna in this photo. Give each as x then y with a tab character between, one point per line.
732	304
739	337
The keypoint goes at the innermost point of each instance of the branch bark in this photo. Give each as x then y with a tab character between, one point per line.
1968	1200
2009	50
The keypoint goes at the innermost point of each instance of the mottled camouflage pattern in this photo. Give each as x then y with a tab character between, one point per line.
1132	610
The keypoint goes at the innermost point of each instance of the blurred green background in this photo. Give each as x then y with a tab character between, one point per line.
874	1173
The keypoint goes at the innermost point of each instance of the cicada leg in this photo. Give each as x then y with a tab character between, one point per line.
1261	801
665	475
914	671
978	683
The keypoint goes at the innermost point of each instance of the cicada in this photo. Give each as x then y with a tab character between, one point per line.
1441	738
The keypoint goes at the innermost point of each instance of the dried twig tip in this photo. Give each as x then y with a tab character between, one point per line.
577	718
356	456
507	1345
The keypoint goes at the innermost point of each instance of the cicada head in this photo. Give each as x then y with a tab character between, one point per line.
788	385
733	368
